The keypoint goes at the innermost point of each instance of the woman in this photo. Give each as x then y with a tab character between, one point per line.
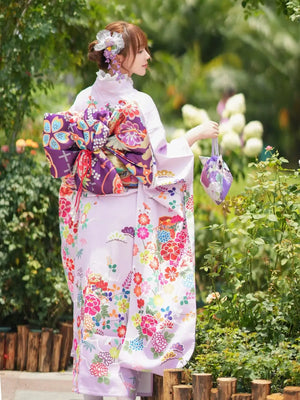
126	217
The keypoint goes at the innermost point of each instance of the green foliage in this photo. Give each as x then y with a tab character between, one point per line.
32	287
291	8
231	351
34	35
250	329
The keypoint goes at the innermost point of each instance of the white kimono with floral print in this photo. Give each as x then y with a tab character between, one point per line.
129	260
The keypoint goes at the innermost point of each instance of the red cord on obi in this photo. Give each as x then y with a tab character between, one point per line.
84	170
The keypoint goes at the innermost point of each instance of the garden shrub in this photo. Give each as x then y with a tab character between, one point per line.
250	325
32	286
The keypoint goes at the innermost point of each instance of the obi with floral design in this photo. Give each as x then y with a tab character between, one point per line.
106	150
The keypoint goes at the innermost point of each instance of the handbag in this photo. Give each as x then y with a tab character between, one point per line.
216	177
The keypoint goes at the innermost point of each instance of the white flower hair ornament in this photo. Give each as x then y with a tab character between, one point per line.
112	43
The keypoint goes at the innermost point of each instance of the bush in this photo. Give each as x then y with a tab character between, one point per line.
32	287
249	326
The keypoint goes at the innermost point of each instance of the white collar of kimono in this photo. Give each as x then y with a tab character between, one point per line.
104	76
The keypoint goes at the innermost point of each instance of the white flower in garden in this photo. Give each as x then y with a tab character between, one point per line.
253	147
177	133
230	141
237	122
234	105
196	149
193	116
253	129
224	128
212	296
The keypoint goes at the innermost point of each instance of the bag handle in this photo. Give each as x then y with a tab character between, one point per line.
215	147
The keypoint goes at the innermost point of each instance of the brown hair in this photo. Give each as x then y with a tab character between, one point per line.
134	39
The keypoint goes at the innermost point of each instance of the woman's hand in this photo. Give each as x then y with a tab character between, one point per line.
207	130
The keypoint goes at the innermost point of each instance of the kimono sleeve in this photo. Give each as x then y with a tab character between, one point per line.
174	161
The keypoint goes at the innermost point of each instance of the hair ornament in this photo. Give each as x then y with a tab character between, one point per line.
112	43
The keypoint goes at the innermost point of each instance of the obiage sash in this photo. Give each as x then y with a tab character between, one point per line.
84	145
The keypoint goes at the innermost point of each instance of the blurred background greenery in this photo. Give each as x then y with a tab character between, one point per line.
199	49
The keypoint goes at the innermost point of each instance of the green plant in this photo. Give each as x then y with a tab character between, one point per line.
255	254
249	326
32	286
232	351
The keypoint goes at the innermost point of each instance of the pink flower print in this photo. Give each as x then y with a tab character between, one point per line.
135	249
98	369
181	238
70	286
70	239
64	207
170	251
145	286
162	279
176	218
154	264
148	325
159	342
143	233
190	203
92	304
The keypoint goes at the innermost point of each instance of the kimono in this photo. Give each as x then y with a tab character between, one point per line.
127	245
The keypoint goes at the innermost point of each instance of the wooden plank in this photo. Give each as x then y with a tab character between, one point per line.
33	351
226	388
55	360
2	350
260	389
11	350
22	346
66	330
45	350
171	378
291	393
182	392
202	385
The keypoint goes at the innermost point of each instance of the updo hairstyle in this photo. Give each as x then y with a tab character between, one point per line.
134	39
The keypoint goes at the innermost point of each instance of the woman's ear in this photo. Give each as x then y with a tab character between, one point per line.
120	58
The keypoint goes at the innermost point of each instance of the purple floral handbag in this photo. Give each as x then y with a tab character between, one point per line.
216	177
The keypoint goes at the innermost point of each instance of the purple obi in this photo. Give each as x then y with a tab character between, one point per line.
105	150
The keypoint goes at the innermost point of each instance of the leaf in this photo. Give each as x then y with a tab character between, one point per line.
272	217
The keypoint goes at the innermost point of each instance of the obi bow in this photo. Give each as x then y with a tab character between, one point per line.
99	147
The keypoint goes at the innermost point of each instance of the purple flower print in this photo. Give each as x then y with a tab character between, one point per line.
128	230
130	134
106	358
178	347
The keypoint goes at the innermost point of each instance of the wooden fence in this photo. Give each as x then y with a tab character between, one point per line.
179	384
42	351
